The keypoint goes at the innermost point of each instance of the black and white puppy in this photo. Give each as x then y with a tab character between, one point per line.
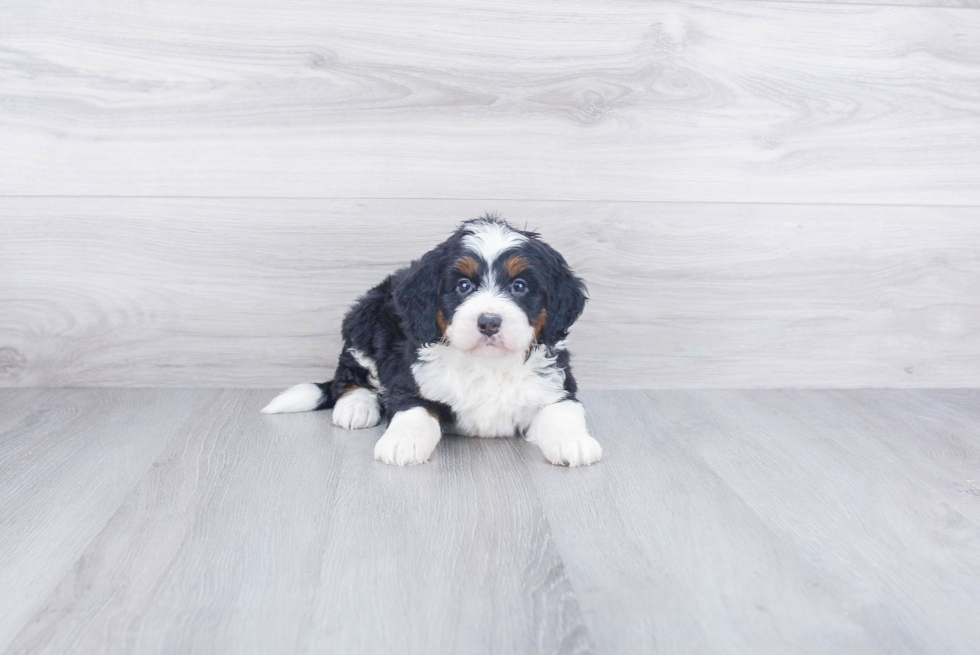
469	336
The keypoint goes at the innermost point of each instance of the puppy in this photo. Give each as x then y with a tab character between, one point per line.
469	336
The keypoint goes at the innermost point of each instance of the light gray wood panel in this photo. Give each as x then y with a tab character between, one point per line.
965	401
948	457
765	521
958	448
18	405
210	292
916	3
842	478
67	461
718	521
459	548
632	100
667	558
257	534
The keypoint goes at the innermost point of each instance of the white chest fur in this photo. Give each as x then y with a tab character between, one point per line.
491	397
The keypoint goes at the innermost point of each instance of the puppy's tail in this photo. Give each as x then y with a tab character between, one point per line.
304	397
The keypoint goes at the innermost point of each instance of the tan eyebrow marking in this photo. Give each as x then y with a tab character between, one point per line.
516	265
467	266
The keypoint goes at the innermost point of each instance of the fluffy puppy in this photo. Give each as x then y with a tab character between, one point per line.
470	336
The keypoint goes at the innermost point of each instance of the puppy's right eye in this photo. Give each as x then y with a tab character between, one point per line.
464	286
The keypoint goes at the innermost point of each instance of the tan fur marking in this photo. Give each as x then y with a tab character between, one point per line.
441	322
468	266
539	323
516	265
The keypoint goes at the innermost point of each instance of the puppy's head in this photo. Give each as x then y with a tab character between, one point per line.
489	290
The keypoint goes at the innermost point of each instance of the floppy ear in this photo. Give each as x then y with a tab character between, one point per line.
416	296
566	296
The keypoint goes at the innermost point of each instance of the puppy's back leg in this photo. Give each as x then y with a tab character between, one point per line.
358	403
357	408
353	393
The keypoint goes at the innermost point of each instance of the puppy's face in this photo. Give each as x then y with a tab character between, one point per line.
490	291
493	299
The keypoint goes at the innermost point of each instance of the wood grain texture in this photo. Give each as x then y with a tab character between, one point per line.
916	3
67	461
257	534
210	292
718	521
836	505
657	542
966	401
632	100
773	521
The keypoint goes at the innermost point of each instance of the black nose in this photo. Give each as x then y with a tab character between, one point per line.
489	324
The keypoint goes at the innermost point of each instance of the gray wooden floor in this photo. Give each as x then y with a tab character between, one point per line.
181	521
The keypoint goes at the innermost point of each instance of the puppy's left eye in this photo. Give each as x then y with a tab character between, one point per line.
518	287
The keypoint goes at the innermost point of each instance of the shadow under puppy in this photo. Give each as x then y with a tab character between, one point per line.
470	335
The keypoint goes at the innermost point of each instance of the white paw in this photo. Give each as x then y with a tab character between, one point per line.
559	431
410	438
357	409
571	449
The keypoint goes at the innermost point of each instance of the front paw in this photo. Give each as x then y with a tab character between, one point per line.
410	438
559	431
570	449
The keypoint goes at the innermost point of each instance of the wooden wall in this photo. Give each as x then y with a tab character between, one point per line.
759	194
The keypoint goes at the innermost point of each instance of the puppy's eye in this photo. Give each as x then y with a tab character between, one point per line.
518	287
464	286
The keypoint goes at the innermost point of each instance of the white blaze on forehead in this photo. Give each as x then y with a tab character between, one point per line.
489	240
